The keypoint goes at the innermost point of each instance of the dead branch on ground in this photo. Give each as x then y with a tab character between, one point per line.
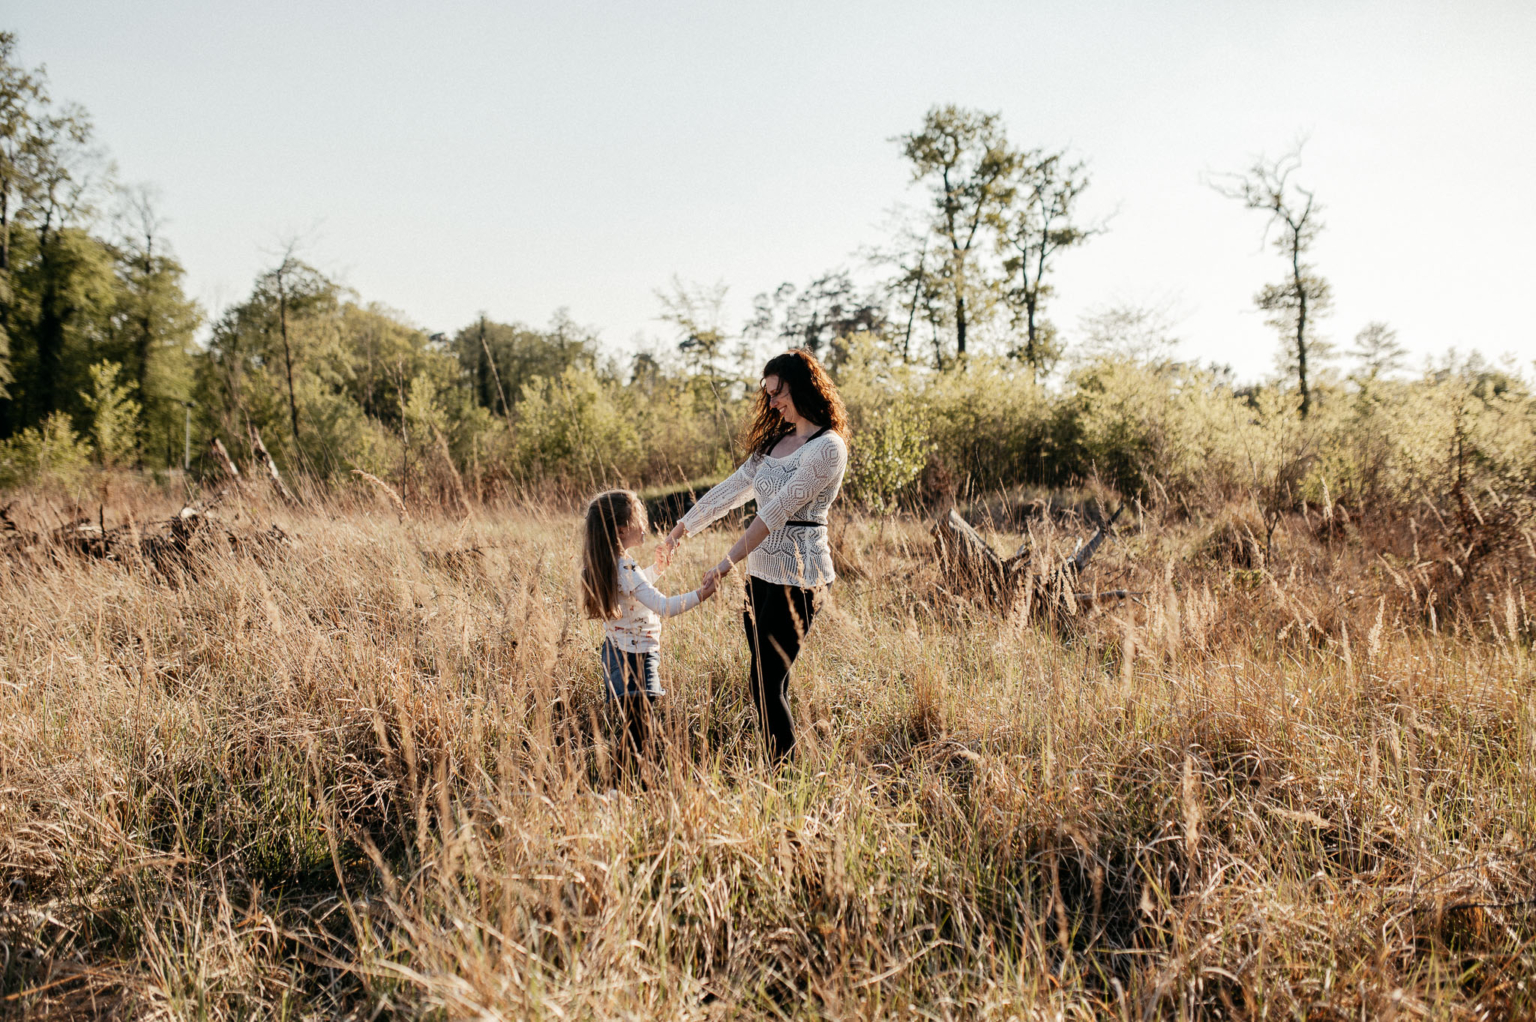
971	567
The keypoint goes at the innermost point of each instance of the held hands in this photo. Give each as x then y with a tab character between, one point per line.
719	571
707	589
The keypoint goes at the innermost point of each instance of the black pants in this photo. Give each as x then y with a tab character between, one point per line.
776	618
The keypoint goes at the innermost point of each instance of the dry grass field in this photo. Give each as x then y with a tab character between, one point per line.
363	773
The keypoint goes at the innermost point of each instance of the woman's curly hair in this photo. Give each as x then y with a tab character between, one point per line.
810	388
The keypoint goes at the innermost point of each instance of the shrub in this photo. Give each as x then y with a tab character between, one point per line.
889	452
50	453
114	414
571	427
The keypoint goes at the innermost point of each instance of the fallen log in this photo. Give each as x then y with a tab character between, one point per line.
173	548
968	562
971	567
1085	553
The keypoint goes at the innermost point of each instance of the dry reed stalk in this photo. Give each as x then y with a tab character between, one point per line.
389	492
457	481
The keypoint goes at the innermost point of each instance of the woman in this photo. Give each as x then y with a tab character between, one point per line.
797	452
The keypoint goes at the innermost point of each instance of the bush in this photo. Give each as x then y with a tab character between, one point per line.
572	428
114	414
51	453
888	454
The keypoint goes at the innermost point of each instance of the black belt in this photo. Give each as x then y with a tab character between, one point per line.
809	525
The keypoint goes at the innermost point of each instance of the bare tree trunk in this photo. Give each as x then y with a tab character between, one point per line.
282	320
506	411
1085	554
971	567
1031	352
959	325
5	228
1301	326
224	461
967	561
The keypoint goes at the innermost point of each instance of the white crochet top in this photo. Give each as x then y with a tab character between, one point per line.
637	629
797	487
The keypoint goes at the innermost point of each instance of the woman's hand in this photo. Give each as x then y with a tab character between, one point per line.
669	545
719	571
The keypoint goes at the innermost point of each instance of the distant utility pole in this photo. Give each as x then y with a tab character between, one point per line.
186	445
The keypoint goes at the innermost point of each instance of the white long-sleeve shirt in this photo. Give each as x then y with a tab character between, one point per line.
800	486
637	629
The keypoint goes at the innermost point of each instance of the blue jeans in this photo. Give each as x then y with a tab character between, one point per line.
631	674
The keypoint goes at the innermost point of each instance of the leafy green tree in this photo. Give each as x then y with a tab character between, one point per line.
964	158
382	354
1378	351
64	291
293	291
55	282
914	289
820	317
697	313
152	323
22	95
270	353
498	359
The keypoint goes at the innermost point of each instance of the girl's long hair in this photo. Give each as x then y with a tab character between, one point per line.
810	388
606	515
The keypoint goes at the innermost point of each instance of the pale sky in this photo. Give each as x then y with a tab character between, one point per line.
451	157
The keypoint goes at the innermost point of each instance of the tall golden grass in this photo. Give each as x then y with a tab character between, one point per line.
367	775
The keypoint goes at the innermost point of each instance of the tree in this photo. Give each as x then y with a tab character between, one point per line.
1037	226
963	156
22	95
913	289
256	373
1378	351
830	309
288	293
1125	330
499	358
153	321
1295	304
697	311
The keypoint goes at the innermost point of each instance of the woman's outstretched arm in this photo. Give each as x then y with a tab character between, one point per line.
754	535
725	496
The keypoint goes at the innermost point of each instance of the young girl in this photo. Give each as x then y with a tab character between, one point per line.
617	592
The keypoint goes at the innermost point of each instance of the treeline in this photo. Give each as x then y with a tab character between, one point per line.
955	375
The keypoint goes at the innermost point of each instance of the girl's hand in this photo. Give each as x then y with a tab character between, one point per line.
669	546
708	589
